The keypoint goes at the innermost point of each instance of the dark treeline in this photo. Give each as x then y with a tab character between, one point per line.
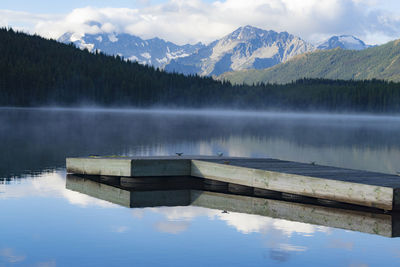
37	72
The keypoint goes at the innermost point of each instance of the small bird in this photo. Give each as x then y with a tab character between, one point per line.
179	153
225	211
312	162
220	154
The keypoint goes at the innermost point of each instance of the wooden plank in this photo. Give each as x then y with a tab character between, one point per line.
317	171
354	193
99	166
128	166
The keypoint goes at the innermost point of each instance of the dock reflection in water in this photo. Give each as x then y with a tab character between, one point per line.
186	191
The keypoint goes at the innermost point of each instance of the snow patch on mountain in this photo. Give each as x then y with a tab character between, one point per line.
343	41
155	52
245	48
112	38
146	55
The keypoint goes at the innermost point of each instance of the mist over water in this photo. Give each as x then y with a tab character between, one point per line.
35	140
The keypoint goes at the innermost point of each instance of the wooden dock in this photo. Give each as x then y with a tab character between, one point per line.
387	225
370	189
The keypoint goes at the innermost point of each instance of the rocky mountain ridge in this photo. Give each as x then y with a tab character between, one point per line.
156	52
245	48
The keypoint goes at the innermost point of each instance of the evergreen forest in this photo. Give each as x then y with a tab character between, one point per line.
35	71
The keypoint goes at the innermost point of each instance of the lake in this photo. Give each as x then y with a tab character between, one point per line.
46	221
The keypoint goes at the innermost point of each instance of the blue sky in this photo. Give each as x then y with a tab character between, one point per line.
191	21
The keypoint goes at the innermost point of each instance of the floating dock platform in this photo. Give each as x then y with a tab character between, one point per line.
369	189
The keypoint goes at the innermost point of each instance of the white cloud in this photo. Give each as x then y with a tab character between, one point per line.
10	256
119	229
249	223
177	219
186	213
172	227
21	18
50	184
194	20
51	263
289	247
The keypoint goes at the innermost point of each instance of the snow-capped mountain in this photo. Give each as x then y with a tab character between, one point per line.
245	48
155	52
343	41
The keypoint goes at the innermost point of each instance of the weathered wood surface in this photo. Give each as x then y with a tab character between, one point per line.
99	166
345	185
361	221
311	186
132	166
312	170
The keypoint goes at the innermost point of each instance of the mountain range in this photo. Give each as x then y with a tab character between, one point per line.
155	52
245	48
378	62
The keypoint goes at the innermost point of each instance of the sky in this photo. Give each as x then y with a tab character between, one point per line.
192	21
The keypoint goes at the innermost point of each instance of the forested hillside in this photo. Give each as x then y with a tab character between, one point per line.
36	71
379	62
39	72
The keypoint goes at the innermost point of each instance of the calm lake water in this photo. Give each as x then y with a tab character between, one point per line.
44	223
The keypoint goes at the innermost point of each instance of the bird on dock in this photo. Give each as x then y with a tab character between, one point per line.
220	154
225	211
179	153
